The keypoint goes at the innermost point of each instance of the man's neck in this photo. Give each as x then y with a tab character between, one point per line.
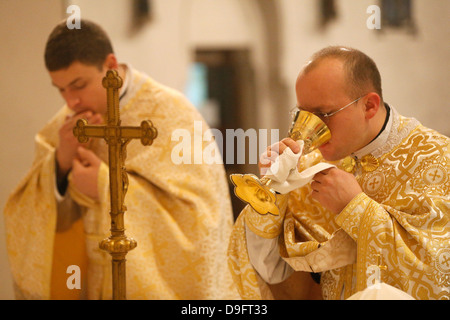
122	70
382	118
380	138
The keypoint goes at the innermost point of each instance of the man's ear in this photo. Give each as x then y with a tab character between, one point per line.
111	62
372	104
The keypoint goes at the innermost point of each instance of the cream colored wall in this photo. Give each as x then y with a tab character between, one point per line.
414	68
27	98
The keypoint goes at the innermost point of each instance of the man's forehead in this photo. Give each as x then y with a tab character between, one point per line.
323	77
325	64
61	84
74	73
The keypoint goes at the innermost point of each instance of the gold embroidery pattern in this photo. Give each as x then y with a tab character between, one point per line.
413	179
244	276
377	184
442	263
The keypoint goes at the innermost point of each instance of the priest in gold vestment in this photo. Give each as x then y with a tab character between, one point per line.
180	215
386	201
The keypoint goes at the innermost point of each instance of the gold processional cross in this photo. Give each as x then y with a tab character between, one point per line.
117	138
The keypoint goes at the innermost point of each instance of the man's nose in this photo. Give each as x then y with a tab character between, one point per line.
72	101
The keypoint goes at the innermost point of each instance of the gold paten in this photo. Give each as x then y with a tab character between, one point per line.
117	138
257	192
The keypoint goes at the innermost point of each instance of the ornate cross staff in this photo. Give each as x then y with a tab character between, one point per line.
117	137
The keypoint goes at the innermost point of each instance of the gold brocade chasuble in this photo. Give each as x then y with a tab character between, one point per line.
402	216
180	215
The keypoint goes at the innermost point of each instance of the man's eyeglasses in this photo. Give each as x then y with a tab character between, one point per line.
323	115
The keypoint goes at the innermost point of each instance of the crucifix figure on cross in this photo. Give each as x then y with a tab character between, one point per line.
117	138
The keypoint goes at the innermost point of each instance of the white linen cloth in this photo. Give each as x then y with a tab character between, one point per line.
284	174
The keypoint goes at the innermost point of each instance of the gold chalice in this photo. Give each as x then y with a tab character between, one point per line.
257	192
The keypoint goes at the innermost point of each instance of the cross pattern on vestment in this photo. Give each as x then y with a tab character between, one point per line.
374	183
117	137
434	175
446	260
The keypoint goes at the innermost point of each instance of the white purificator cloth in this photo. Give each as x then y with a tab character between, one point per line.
284	174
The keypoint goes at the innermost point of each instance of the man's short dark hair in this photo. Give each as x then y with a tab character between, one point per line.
89	45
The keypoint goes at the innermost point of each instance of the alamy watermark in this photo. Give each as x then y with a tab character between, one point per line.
374	20
74	20
208	146
74	280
